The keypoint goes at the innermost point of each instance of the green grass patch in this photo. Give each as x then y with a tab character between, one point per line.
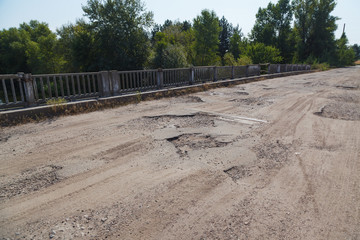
57	101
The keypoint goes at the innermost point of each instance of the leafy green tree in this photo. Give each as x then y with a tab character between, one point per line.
236	45
272	27
120	37
77	45
229	59
174	33
30	48
156	28
303	12
284	15
174	57
42	55
206	30
322	38
168	54
161	43
172	46
244	60
186	25
13	51
356	49
166	24
260	53
264	28
345	54
314	29
189	43
224	37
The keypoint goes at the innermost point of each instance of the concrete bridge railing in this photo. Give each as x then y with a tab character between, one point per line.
22	90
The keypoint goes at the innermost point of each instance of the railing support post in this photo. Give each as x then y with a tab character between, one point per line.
104	84
192	76
232	72
215	73
28	88
247	71
160	78
115	80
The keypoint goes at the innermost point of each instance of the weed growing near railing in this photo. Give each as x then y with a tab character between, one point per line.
320	66
57	101
138	97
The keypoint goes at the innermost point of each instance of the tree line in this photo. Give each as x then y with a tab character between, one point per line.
121	35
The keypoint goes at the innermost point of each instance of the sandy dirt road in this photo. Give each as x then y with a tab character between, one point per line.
276	159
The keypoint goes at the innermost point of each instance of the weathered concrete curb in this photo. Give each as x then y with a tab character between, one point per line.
13	117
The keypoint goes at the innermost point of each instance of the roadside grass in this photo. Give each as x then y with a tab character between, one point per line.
57	101
321	66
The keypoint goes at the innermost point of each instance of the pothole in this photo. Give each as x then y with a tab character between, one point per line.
195	141
272	154
29	181
238	172
340	110
242	93
348	87
195	120
330	148
213	93
187	99
259	101
350	97
315	84
4	138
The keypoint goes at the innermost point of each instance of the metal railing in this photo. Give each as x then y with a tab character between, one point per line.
131	81
279	68
176	76
68	86
19	90
12	91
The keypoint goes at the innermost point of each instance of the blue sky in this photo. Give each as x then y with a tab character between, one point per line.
242	12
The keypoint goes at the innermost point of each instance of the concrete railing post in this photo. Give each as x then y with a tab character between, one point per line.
232	72
28	88
104	84
115	80
215	73
160	78
192	76
247	71
278	68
